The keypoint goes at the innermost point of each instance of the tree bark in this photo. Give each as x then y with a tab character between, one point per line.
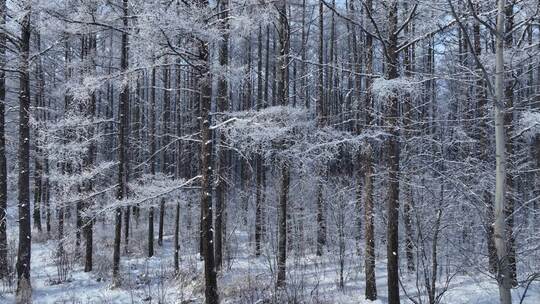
3	163
177	238
282	97
222	106
165	166
509	127
152	137
392	207
499	227
371	285
282	226
24	288
123	113
204	82
321	121
89	161
481	97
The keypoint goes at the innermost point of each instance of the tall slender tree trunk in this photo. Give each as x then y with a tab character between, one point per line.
165	142
123	113
282	226
504	278
321	121
369	258
481	97
303	93
38	158
408	61
177	238
222	106
392	207
282	97
88	221
204	82
152	158
509	127
24	288
3	163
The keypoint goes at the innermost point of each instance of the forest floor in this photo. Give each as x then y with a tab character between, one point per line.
245	279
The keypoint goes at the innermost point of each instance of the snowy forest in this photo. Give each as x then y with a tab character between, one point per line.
255	151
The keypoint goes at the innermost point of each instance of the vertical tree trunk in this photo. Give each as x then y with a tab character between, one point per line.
499	227
24	288
481	97
408	60
321	222
392	245
266	67
320	69
329	109
123	113
282	85
222	106
204	82
3	163
66	166
165	142
509	127
303	93
321	121
91	113
371	286
369	258
282	226
152	137
38	161
176	238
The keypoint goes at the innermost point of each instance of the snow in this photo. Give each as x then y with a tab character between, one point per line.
386	88
246	279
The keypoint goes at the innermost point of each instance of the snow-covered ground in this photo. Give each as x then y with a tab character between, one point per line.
245	279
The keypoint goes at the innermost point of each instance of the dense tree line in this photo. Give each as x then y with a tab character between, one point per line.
313	126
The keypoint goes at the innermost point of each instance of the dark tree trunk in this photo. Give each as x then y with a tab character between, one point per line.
88	221
321	222
3	163
204	82
24	289
282	97
392	209
177	238
408	60
282	226
164	143
222	106
321	121
152	137
509	127
371	286
369	229
39	157
127	221
123	114
161	218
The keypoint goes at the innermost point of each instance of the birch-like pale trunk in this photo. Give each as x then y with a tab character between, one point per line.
503	275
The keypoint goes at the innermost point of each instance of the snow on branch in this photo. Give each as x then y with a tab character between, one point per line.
146	190
530	123
289	133
386	88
